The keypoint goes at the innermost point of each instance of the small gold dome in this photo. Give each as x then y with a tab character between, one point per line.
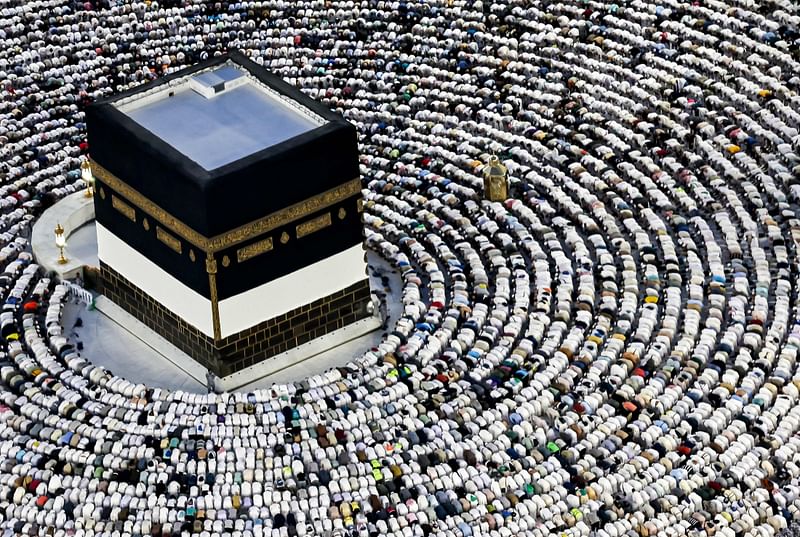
495	168
495	180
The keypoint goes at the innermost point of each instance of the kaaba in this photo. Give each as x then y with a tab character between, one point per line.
228	212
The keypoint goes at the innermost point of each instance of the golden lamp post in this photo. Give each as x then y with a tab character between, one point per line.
61	242
88	178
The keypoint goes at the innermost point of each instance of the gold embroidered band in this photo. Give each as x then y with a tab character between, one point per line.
123	207
168	239
252	250
240	234
307	228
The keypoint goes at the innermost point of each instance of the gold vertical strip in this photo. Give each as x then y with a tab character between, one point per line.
211	269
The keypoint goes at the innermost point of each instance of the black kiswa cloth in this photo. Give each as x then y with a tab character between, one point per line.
214	201
187	205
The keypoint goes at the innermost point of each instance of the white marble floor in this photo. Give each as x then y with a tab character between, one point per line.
106	343
82	244
75	213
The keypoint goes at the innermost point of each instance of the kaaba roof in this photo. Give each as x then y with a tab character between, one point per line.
222	143
219	115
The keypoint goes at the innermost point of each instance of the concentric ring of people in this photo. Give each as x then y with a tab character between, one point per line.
612	351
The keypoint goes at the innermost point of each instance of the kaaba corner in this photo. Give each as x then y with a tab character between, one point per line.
228	210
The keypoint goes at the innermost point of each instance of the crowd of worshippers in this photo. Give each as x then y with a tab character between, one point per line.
612	351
